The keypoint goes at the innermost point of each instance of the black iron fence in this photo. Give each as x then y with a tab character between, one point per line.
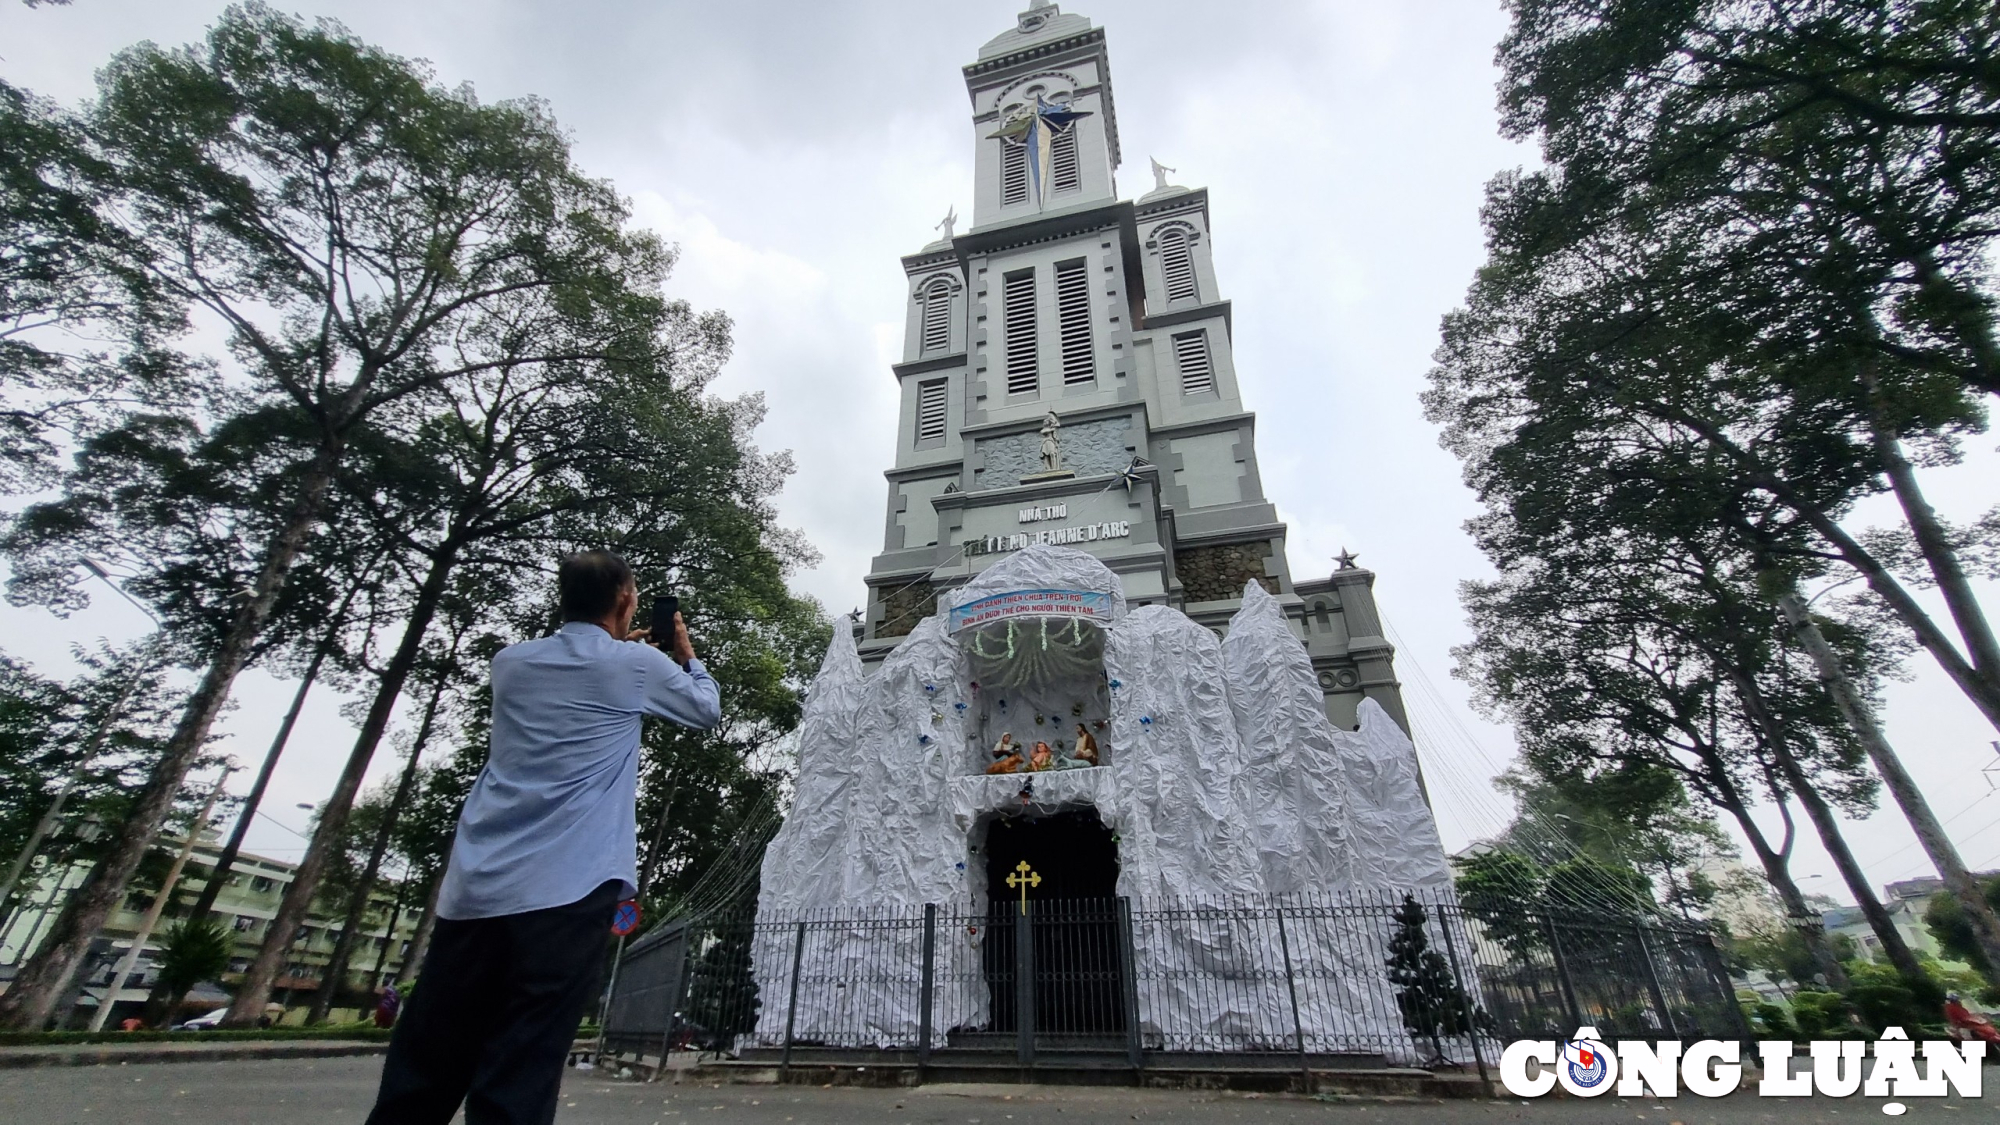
1402	978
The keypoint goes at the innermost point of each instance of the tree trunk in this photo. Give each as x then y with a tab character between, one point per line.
255	989
1943	855
1938	554
421	940
1777	870
389	934
1776	740
1830	837
357	903
30	1001
230	850
1981	688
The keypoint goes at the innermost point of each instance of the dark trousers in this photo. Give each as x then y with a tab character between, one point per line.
494	1013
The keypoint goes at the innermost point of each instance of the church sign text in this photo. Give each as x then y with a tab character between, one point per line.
1086	605
1045	513
1078	533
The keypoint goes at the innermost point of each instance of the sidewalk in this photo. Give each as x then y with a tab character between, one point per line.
120	1054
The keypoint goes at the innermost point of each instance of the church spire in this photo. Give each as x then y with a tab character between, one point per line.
1041	105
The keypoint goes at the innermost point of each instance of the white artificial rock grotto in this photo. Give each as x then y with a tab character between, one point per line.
1220	778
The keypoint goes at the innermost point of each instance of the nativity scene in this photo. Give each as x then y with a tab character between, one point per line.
1035	714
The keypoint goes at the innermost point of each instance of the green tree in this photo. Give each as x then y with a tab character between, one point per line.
195	950
364	235
77	318
1947	923
1714	308
89	743
1497	888
1636	674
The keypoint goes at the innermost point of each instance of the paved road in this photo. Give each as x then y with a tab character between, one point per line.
311	1091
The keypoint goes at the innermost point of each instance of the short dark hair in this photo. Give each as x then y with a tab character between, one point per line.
589	583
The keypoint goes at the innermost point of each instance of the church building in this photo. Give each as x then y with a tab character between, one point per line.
1089	685
1068	378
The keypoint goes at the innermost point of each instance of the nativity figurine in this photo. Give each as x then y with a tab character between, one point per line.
1084	754
1006	756
1042	758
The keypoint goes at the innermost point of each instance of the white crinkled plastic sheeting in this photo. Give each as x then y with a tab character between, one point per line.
1223	780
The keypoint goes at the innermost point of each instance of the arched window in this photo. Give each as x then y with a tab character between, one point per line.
937	316
1177	264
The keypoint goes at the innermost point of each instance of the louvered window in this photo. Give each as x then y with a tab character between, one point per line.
1177	265
1018	299
1013	173
1191	352
937	316
1073	315
930	410
1063	169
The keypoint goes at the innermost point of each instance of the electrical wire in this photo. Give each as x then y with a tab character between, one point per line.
1454	758
1946	824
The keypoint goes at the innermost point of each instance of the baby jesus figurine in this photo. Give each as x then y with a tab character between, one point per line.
1084	754
1042	758
1006	756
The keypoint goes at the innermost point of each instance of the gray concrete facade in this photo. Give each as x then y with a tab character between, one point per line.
1130	337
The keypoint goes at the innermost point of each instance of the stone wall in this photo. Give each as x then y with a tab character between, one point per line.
904	607
1215	574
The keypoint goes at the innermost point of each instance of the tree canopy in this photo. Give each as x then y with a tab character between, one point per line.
449	361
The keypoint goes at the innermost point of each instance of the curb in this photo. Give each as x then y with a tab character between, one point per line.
1391	1084
99	1055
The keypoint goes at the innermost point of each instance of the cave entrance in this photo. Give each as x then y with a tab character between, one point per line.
1077	964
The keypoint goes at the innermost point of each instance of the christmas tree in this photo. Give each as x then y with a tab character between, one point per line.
1433	1002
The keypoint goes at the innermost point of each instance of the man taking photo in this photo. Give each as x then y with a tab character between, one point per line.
546	848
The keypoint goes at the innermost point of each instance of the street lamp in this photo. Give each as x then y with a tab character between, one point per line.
94	567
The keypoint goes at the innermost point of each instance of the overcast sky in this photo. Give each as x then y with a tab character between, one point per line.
795	150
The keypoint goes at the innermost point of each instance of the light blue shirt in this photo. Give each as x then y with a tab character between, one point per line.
552	816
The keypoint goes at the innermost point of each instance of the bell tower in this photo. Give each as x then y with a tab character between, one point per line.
1045	135
1069	376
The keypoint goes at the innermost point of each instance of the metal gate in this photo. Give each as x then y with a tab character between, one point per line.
646	993
1060	975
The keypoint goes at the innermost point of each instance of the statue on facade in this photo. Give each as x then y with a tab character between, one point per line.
950	220
1160	174
1006	756
1051	447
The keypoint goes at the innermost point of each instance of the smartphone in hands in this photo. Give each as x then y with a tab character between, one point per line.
661	632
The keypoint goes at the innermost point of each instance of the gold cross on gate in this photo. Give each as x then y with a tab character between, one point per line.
1024	877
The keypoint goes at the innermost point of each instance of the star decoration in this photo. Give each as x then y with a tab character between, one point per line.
1346	559
1035	131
